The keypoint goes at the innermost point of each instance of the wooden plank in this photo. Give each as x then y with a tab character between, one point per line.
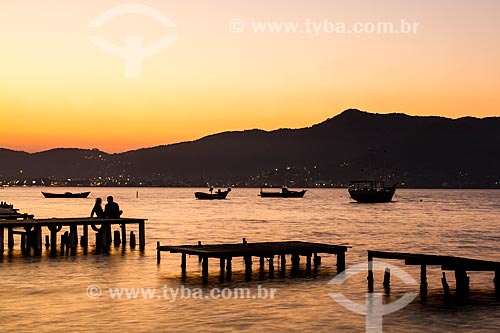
68	221
264	249
446	262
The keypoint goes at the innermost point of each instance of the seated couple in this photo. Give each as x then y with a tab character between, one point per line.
111	210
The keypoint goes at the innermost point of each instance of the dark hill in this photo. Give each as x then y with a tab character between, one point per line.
420	151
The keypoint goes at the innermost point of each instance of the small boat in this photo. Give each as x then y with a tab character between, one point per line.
285	193
371	191
219	195
66	195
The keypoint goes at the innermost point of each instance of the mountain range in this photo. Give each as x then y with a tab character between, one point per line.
412	150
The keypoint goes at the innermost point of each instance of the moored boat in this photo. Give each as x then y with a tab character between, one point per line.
285	193
66	195
218	195
371	191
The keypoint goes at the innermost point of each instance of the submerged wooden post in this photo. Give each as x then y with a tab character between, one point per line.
37	233
496	281
423	281
283	264
271	267
108	233
204	269
222	264
199	257
446	288
308	264
158	253
2	235
47	242
183	265
317	260
340	261
74	235
142	236
54	229
116	238
132	240
73	238
63	243
85	239
248	267
23	244
27	241
370	272
462	285
67	242
10	240
229	269
295	262
98	243
124	234
104	237
387	278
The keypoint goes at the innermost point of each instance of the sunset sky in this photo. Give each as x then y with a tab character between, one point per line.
58	89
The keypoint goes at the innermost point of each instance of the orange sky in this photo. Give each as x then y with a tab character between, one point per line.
58	89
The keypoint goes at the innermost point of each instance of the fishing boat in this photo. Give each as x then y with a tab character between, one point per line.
285	193
218	195
66	195
371	191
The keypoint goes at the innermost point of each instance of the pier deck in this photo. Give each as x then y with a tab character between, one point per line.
448	263
266	250
31	233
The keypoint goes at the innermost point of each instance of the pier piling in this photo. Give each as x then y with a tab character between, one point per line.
2	235
283	264
10	241
308	264
116	238
271	267
229	271
446	288
387	278
222	264
423	282
132	240
123	227
248	267
340	262
204	269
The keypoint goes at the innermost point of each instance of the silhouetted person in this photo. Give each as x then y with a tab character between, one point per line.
112	210
97	210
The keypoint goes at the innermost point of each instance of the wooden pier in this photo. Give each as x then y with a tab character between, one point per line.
30	231
264	251
448	263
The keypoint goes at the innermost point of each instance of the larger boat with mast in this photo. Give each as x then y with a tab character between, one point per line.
371	191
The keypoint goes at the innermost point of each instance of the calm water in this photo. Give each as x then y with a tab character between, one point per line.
49	294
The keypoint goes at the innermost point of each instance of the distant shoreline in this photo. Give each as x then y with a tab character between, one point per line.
252	187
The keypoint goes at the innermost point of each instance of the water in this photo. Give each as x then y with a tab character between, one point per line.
49	294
